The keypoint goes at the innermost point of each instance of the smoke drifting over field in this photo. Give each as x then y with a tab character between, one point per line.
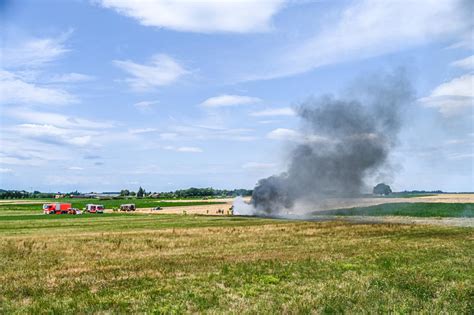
343	140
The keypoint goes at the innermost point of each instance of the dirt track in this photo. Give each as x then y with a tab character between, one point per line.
211	209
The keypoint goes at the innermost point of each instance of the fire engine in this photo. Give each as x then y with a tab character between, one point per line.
56	208
91	208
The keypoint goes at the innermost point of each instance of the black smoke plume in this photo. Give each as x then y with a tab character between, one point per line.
343	140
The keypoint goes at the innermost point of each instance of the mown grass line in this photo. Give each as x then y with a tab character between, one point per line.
115	223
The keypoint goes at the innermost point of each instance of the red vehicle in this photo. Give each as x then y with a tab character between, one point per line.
56	208
91	208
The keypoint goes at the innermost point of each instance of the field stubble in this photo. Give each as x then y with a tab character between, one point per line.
174	263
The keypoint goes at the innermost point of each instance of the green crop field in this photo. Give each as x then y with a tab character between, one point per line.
144	263
419	209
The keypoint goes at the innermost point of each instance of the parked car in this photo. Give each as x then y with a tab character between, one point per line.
74	211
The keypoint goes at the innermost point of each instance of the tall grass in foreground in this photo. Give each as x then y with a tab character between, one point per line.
240	265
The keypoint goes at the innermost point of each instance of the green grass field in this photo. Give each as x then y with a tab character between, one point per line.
418	209
120	262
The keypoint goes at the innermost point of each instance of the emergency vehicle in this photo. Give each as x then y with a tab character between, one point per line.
56	208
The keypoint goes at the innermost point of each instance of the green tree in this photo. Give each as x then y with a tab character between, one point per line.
124	192
382	189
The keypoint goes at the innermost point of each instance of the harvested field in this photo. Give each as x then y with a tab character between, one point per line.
342	203
184	263
142	262
460	222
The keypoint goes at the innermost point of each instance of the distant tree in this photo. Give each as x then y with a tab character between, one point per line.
124	192
132	193
141	192
382	189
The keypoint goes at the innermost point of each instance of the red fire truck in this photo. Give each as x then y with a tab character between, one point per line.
56	208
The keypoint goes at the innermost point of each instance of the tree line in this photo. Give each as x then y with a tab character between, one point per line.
22	194
188	193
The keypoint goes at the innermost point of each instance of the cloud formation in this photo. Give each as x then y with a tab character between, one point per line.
285	134
226	100
285	111
453	97
13	89
70	78
160	71
34	52
145	106
258	165
183	149
200	16
371	28
466	63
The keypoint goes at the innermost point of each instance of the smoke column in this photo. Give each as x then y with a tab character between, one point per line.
343	140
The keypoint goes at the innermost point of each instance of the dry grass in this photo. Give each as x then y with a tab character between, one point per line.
174	263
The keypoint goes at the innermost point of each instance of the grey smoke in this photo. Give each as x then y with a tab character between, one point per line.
344	140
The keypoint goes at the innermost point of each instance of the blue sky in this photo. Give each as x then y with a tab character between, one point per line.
108	94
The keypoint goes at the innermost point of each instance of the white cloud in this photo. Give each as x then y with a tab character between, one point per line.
200	16
189	149
6	170
54	119
202	132
258	165
168	135
80	140
55	135
25	81
16	149
285	111
14	90
285	134
229	100
162	70
462	86
33	135
145	105
142	130
453	97
70	78
271	121
296	136
34	52
183	149
371	28
466	63
75	168
460	156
